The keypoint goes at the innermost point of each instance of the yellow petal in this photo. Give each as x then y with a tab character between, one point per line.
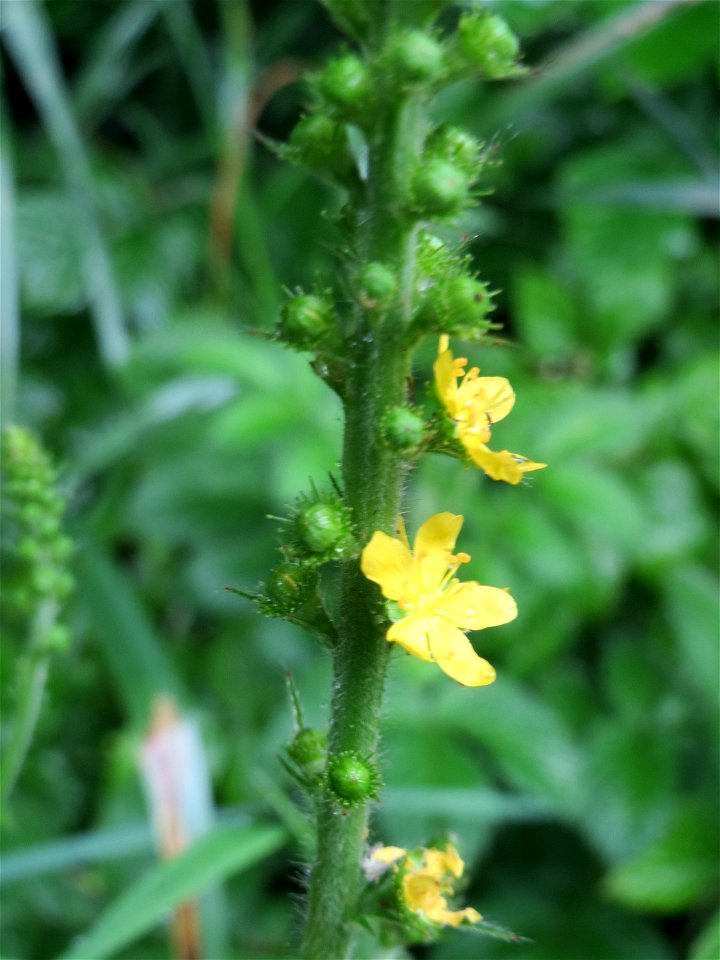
388	854
411	634
437	863
446	381
472	606
387	562
454	654
454	918
438	535
496	397
504	465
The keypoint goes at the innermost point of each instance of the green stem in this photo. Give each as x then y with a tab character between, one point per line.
372	474
32	678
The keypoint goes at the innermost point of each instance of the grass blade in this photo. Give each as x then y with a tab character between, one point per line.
31	45
9	313
223	852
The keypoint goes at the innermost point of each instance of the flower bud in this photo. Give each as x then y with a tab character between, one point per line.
458	147
488	43
440	188
404	430
290	585
306	319
345	82
323	527
376	285
308	750
351	778
319	142
415	58
465	299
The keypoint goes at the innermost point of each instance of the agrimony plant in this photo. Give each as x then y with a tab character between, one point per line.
368	130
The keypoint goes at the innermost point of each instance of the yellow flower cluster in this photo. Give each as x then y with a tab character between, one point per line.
427	878
437	607
475	404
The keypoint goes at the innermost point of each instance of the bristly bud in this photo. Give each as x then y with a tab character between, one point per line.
439	188
459	148
404	431
290	586
308	751
319	530
377	285
320	143
414	58
457	304
352	778
307	319
346	84
322	526
488	44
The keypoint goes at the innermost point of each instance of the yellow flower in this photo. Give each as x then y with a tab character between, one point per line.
476	404
427	879
438	607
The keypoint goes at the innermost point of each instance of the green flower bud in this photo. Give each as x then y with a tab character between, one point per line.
377	285
351	778
404	430
306	319
345	81
465	299
415	58
458	147
440	188
290	585
322	526
319	142
488	43
308	750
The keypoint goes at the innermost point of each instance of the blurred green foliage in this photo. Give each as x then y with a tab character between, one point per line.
583	784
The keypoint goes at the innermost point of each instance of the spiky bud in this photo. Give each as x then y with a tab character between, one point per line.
290	585
352	778
319	142
489	45
404	430
439	188
414	58
306	320
321	526
345	83
308	751
377	285
457	147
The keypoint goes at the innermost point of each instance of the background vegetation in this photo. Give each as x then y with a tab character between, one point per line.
146	235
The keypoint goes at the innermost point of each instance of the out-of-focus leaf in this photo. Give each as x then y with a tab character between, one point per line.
691	603
707	944
545	312
220	854
677	871
139	664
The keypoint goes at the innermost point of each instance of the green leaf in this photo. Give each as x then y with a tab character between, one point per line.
690	599
707	944
676	872
220	854
137	660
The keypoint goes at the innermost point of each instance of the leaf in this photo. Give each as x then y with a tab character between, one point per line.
220	854
139	664
690	601
707	944
676	872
